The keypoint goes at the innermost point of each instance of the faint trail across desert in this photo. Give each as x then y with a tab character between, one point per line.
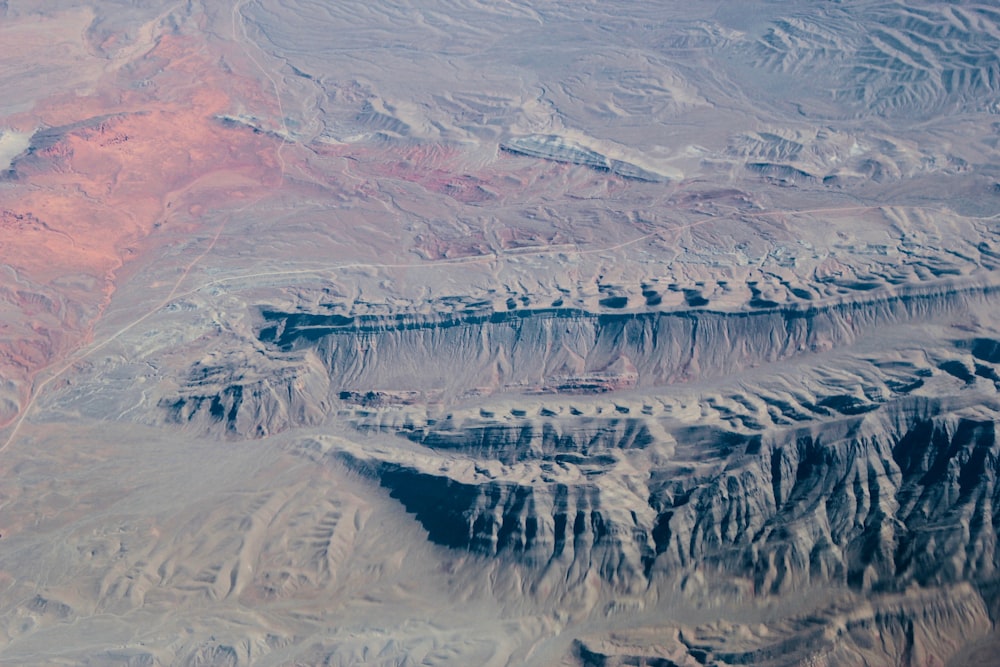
143	45
460	261
174	295
237	17
83	354
482	259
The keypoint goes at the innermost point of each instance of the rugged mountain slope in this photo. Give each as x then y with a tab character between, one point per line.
377	360
621	446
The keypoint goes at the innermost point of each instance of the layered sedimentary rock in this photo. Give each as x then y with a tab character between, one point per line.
310	362
900	496
634	455
560	150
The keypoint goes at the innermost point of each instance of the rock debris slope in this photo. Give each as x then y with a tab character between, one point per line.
549	334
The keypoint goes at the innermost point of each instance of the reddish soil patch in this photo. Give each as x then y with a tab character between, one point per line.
144	151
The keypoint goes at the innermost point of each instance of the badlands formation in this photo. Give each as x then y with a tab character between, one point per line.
462	333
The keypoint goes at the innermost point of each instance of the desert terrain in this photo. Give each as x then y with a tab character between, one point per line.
461	333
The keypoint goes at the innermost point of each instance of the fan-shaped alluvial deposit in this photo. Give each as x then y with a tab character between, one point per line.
529	334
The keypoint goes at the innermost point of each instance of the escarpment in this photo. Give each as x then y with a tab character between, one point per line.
613	459
327	359
901	496
875	477
760	451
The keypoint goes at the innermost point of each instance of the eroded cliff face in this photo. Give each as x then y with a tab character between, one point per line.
901	496
611	460
895	508
311	362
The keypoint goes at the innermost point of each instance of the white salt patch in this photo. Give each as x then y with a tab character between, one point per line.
12	144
